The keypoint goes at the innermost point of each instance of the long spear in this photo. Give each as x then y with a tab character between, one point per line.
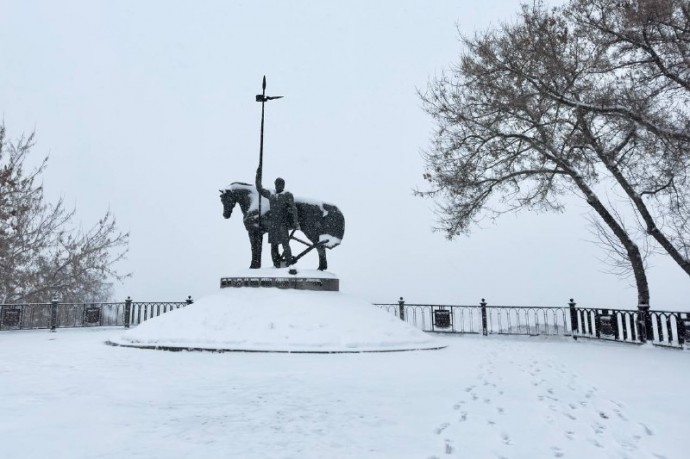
263	99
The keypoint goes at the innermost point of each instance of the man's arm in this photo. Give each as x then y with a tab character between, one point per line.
262	191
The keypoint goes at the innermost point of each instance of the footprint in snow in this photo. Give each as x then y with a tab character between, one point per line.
598	428
441	428
449	447
620	415
647	430
595	442
557	452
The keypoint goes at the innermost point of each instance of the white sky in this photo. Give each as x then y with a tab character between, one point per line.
147	108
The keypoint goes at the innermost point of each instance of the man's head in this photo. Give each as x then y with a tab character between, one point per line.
280	185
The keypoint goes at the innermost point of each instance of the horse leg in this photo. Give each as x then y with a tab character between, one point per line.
256	241
323	264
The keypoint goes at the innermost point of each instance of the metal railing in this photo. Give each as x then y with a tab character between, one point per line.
483	319
55	315
137	312
664	328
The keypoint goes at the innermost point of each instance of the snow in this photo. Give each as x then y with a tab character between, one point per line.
265	204
332	241
314	202
67	395
280	320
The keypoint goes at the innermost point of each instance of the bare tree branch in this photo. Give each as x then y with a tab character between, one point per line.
40	255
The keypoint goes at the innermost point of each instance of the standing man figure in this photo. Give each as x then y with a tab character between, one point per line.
282	218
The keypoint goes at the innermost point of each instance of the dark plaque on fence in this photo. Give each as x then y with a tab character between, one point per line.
442	318
685	329
608	326
11	317
92	315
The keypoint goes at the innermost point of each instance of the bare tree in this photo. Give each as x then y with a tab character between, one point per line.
41	254
507	137
642	89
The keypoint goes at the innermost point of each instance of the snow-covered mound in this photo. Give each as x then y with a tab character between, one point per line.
271	319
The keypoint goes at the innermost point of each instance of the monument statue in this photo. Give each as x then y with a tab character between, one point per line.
282	219
322	223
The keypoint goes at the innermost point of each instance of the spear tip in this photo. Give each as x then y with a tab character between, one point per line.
264	83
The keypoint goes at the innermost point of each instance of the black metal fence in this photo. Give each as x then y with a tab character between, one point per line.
665	328
137	312
55	315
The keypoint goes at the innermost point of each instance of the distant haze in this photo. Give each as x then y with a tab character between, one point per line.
147	108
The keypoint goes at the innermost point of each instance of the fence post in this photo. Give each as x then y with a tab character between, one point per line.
680	330
644	323
189	300
485	328
53	313
401	308
573	319
128	310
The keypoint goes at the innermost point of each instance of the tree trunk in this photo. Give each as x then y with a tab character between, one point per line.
652	229
633	252
637	200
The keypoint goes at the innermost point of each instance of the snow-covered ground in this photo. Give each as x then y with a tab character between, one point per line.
67	395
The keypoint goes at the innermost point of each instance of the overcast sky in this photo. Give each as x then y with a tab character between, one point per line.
147	109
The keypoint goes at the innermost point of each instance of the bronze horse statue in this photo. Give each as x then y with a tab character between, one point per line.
323	224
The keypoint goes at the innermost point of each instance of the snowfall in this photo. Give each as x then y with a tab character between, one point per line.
69	395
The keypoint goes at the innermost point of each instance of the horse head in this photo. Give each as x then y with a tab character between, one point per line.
227	197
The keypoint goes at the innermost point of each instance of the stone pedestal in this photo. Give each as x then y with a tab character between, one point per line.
284	278
297	283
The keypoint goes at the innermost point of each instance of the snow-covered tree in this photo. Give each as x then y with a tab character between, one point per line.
42	254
